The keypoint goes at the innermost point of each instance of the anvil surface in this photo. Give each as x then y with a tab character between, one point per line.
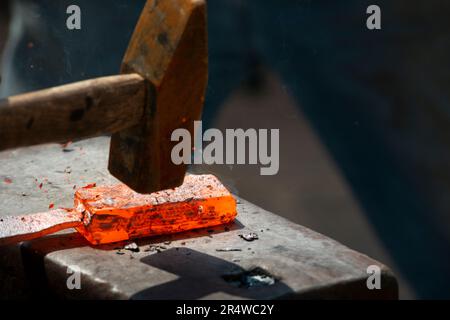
292	261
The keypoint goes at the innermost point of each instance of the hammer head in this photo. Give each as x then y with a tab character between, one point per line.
169	49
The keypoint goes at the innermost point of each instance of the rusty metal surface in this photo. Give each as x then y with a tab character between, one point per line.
15	229
208	264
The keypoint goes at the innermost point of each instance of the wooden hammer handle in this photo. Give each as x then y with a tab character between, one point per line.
74	111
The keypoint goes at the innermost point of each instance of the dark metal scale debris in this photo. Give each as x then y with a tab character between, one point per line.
249	236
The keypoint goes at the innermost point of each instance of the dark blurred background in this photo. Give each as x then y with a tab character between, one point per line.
364	116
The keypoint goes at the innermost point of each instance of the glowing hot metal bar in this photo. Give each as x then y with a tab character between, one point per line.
116	213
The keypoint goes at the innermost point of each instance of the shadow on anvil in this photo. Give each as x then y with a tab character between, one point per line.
200	275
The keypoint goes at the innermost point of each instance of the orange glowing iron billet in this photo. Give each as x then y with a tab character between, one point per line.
115	213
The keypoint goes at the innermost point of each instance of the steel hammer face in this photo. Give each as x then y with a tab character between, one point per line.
169	49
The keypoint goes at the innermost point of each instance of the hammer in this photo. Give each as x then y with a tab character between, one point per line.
161	88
